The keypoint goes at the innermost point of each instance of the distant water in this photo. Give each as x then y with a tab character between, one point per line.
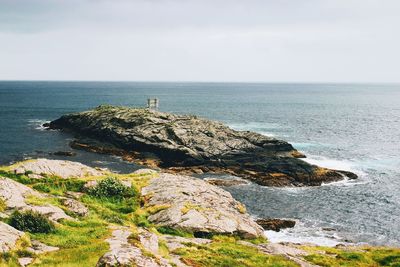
344	126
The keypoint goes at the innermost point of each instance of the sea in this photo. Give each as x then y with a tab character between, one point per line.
353	127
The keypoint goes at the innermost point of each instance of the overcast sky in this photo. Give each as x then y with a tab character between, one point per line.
201	40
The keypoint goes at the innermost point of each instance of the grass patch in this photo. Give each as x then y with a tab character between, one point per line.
171	231
355	257
225	251
81	243
3	205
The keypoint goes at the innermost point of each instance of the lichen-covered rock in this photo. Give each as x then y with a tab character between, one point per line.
123	253
8	237
195	206
188	142
60	168
75	206
15	196
14	193
39	248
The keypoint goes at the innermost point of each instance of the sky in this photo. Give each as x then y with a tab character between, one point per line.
201	40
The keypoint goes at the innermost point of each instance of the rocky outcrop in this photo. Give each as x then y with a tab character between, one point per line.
15	197
60	168
193	205
123	253
276	224
8	237
189	143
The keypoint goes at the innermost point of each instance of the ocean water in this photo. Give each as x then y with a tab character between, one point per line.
353	127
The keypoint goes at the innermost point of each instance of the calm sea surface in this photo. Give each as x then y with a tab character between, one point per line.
345	126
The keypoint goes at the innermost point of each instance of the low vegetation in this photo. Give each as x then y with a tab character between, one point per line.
226	251
354	256
31	221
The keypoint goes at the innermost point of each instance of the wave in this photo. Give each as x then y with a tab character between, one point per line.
302	234
263	128
344	165
37	124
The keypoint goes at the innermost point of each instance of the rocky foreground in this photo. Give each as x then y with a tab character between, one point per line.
187	144
63	213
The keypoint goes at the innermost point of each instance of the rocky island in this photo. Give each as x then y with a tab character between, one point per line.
188	144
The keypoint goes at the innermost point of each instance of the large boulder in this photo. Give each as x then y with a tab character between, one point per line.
60	168
193	205
8	237
189	142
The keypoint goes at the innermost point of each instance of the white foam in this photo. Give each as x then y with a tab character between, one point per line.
258	127
301	234
343	165
38	124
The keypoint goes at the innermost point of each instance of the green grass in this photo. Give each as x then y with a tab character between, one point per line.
226	251
81	243
355	257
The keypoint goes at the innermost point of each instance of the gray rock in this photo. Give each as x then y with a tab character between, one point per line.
39	248
25	261
8	237
195	206
122	253
14	195
61	168
75	206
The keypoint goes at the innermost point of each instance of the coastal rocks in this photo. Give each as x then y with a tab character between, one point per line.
123	253
14	195
226	182
8	237
195	206
60	168
186	143
64	153
275	224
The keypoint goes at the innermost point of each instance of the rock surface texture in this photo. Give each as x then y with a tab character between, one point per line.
195	206
61	168
123	253
182	142
15	197
8	237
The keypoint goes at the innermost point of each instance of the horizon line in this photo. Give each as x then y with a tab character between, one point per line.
233	82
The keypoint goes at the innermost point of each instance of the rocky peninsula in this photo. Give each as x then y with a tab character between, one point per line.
188	144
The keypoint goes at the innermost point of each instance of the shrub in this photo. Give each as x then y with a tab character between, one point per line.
112	188
31	221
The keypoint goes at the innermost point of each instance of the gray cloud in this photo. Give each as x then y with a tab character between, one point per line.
252	40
